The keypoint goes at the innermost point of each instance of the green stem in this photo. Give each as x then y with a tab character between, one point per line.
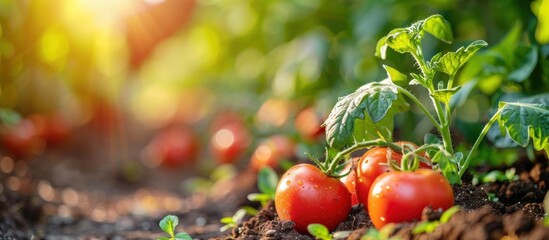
442	117
477	142
421	106
334	162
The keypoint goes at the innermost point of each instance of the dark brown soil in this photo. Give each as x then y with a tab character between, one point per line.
515	215
25	214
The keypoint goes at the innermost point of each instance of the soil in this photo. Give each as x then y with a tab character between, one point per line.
59	197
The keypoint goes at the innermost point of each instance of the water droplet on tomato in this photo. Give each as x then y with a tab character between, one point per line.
388	187
300	183
288	182
360	180
382	219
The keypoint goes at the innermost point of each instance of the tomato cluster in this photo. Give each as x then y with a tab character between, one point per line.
306	195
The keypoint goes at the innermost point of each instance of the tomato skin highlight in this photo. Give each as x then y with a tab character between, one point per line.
401	196
306	195
374	163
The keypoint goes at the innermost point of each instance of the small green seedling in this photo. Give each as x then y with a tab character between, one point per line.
430	226
168	224
233	221
267	180
382	234
321	232
546	207
492	197
495	176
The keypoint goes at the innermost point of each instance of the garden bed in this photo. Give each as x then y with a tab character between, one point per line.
516	213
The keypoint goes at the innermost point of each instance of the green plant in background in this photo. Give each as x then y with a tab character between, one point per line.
365	118
382	234
233	221
267	179
168	224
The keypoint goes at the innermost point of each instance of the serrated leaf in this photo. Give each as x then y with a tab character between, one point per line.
437	26
417	79
451	62
168	224
183	236
267	180
395	75
447	166
319	231
400	41
381	48
444	95
527	120
370	103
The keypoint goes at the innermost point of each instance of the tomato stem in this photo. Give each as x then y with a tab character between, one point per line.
333	163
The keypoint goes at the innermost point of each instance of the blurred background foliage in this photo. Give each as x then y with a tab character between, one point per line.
152	63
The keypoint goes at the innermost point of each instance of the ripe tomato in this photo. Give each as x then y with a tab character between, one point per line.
372	164
308	124
350	182
52	128
172	147
306	195
401	196
22	139
271	151
230	138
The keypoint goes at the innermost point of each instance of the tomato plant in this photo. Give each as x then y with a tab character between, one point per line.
271	151
306	195
173	146
400	196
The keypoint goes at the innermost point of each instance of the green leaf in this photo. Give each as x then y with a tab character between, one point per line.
401	41
369	105
527	120
381	48
525	60
226	220
425	227
395	76
168	224
183	236
341	234
444	95
267	180
447	215
542	30
163	238
418	80
451	62
259	197
319	231
437	26
239	216
9	117
448	167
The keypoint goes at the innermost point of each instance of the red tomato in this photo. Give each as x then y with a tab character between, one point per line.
53	128
306	195
372	164
271	151
350	182
308	124
173	146
230	138
22	139
401	196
